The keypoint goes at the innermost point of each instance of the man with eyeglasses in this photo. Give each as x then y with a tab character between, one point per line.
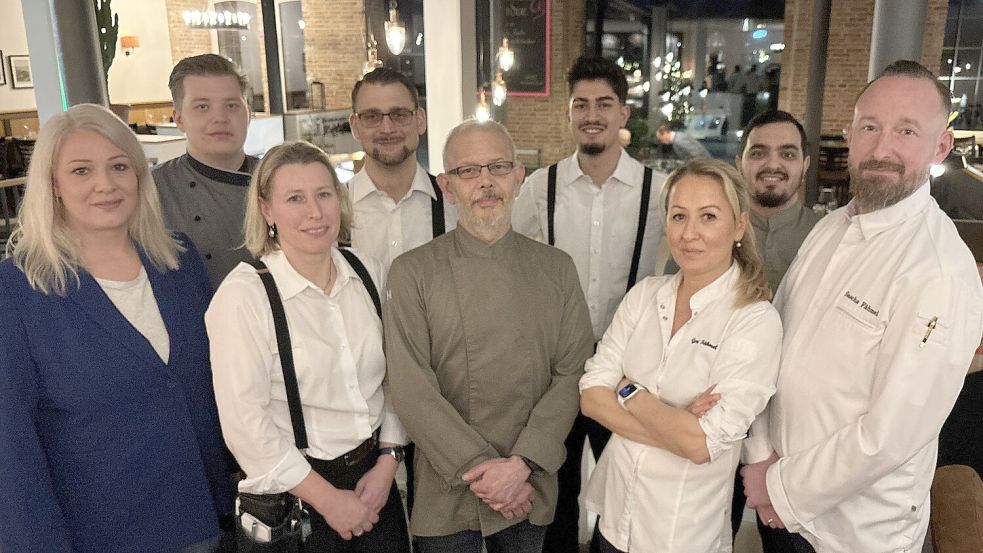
486	336
602	207
397	205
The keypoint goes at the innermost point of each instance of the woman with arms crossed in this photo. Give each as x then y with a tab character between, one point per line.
296	211
108	425
706	336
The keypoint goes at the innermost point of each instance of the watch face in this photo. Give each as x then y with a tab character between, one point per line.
628	390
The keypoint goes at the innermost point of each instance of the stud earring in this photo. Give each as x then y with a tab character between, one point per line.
738	244
272	232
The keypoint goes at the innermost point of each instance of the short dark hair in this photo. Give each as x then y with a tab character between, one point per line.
204	65
386	76
767	118
915	70
591	68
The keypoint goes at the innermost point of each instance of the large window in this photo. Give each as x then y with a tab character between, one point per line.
962	57
242	47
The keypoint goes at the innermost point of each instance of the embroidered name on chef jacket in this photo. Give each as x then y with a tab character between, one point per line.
863	304
702	343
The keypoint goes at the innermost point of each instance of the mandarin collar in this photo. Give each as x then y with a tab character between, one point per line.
470	246
873	223
786	217
719	288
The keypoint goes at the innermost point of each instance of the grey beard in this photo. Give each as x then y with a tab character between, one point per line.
873	193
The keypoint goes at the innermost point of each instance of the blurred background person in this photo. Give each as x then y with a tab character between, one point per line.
684	368
108	424
684	146
296	212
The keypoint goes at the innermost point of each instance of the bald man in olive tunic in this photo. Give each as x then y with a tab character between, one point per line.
486	335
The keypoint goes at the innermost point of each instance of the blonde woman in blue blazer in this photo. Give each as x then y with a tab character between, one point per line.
108	427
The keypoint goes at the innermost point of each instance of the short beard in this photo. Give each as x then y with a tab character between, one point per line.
771	198
592	149
871	193
390	160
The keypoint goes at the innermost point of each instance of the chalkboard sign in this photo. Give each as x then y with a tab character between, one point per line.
526	24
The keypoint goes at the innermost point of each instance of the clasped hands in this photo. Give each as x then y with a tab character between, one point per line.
503	484
756	490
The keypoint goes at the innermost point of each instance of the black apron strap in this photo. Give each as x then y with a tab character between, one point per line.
363	274
643	211
550	204
436	209
286	353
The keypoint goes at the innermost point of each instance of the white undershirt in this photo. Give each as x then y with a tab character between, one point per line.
135	300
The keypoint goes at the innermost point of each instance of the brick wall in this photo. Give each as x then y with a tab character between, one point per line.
334	45
541	122
184	41
848	55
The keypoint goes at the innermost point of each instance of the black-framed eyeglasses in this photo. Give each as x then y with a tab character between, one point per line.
374	117
497	168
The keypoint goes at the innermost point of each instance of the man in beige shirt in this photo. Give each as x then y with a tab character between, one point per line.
486	337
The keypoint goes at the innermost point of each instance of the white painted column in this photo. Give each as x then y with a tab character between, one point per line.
48	88
450	54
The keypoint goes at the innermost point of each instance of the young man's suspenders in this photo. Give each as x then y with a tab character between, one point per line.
436	209
643	211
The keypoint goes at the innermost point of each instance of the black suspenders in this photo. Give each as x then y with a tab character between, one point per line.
283	336
643	212
436	209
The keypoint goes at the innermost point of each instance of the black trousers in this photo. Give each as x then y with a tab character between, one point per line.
562	534
389	535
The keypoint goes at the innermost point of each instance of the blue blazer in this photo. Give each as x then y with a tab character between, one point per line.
103	447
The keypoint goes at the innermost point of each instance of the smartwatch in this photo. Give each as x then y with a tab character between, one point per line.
394	452
628	392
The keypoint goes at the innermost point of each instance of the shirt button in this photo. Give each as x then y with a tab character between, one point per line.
595	251
593	279
662	306
197	217
208	256
395	243
192	184
664	318
596	223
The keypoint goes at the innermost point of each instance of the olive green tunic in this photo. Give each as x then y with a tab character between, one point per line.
484	347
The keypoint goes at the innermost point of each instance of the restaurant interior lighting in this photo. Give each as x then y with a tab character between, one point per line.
372	61
499	90
395	31
212	19
129	44
482	113
506	57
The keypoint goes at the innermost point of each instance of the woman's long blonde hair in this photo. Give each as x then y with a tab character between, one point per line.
753	284
42	244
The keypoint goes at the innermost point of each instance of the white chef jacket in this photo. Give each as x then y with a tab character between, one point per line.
596	226
651	500
864	387
336	340
385	229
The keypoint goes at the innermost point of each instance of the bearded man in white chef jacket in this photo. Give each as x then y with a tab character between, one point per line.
882	311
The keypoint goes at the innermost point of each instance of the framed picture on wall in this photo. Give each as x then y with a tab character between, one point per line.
3	72
20	72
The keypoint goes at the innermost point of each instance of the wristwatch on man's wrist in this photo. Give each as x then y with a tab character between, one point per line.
395	452
627	392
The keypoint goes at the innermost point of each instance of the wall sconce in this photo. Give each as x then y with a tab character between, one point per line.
395	31
129	44
506	57
499	90
482	113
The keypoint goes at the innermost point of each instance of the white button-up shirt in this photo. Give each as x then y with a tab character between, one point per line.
596	226
336	339
882	314
651	500
385	229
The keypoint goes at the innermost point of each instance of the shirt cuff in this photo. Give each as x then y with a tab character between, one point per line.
285	476
779	499
392	431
